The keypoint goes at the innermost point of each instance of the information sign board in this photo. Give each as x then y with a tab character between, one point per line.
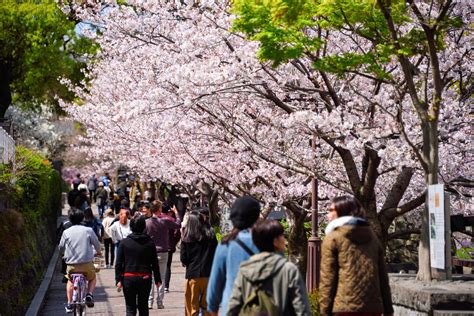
437	225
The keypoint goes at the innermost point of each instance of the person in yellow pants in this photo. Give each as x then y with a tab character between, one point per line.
197	252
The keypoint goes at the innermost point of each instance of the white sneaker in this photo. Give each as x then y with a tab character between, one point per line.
69	308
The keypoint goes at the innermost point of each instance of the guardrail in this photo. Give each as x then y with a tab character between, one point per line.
7	146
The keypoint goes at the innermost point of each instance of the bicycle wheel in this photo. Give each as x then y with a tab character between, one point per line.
82	310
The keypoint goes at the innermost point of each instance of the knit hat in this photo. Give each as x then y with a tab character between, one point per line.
244	212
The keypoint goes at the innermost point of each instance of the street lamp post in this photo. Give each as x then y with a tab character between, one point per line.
314	242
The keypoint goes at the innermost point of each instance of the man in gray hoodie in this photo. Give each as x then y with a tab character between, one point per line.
77	243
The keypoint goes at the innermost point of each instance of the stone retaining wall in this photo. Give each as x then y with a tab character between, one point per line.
413	298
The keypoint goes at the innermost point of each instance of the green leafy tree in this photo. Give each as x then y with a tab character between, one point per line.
386	40
38	46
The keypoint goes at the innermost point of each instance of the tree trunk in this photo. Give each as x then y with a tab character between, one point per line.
430	154
370	207
214	215
297	239
5	92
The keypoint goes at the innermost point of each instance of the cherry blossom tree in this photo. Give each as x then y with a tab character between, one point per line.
177	95
416	51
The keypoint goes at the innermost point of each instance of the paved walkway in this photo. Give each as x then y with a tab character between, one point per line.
110	302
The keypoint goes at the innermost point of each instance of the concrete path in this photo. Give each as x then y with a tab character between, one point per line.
108	301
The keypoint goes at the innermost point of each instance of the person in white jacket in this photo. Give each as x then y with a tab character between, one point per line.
120	229
108	242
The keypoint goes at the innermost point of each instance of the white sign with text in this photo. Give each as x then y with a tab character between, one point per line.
436	225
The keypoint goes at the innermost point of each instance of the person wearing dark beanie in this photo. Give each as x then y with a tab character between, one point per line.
234	249
244	212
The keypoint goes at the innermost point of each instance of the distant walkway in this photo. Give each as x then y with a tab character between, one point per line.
108	301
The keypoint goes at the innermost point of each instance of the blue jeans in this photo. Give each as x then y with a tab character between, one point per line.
117	244
101	209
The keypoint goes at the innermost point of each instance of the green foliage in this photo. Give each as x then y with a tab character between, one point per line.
278	26
307	228
38	45
464	253
351	62
313	298
34	186
289	29
218	233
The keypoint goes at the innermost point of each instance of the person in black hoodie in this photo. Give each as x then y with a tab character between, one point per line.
136	262
73	194
197	252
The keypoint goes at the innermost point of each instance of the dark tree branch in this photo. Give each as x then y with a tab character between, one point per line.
402	233
369	176
391	213
399	187
351	170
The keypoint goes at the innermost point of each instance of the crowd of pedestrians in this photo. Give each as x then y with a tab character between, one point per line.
247	273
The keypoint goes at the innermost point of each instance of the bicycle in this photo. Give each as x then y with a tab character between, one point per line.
79	293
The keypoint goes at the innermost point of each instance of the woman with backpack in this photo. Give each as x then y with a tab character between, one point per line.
234	249
197	252
354	280
267	283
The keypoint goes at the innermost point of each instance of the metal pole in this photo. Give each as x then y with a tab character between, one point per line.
314	242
